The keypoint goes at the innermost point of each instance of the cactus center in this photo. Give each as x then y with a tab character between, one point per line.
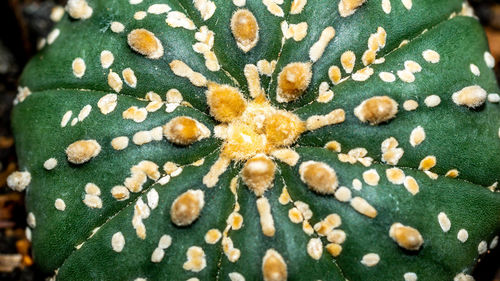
250	127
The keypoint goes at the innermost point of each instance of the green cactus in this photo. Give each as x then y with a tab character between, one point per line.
274	140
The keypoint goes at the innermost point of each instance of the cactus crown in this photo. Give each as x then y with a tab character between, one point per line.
249	140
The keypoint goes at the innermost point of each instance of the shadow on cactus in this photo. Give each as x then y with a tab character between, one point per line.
250	140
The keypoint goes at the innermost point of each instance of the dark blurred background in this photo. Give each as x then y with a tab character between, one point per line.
23	23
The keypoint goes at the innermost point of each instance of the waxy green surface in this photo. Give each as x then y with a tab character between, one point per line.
459	137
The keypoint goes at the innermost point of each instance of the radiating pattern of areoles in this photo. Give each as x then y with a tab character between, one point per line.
259	135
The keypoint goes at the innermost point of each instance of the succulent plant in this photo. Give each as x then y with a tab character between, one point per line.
250	140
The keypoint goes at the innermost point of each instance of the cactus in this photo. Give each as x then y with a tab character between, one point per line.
260	140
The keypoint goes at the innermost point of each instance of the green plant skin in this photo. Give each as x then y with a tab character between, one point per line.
459	137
